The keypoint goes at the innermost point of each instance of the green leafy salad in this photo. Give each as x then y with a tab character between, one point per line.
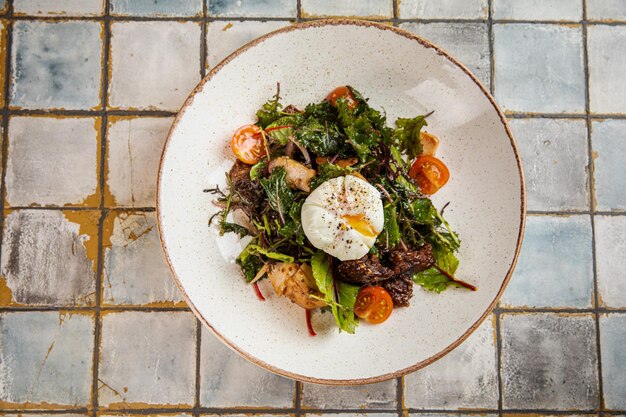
335	205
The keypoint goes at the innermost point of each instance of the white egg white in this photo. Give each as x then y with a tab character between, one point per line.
327	214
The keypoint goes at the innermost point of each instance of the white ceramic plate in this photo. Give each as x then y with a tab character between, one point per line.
406	76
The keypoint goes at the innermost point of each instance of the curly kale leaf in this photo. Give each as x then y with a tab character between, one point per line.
407	135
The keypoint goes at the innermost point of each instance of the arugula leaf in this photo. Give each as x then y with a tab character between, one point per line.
234	228
327	171
342	307
407	135
280	130
424	212
293	226
270	111
258	169
279	194
390	235
432	279
249	263
256	249
322	138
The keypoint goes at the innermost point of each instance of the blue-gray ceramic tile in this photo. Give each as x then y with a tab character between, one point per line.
168	54
555	268
3	6
549	361
608	142
363	414
539	68
223	38
607	77
135	270
468	42
443	9
49	258
52	71
606	10
134	147
465	378
610	250
538	10
156	8
58	7
381	395
451	415
368	8
52	161
252	8
147	358
554	155
612	342
228	380
46	357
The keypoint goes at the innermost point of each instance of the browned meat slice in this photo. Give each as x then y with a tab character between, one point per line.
291	109
366	270
239	172
411	260
400	289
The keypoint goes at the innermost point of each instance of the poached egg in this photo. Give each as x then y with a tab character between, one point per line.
343	216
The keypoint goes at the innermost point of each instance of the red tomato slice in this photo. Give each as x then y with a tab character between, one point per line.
373	304
430	173
342	92
247	144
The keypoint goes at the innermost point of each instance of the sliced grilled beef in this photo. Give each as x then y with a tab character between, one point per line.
366	270
406	261
400	289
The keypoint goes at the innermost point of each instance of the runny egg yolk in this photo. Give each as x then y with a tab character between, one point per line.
343	216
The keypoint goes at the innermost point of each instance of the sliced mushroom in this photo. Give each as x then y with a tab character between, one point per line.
295	281
298	175
343	163
429	142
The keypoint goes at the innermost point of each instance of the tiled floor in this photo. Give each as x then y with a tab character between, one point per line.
90	322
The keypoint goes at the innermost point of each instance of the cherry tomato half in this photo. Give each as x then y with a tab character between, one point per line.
247	144
342	92
430	173
373	304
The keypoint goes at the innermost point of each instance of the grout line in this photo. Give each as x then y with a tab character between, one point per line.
81	208
91	113
400	395
196	408
597	116
499	363
298	399
492	59
396	18
592	207
203	40
298	10
5	118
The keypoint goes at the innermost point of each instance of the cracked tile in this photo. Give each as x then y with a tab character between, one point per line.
228	380
252	8
156	8
53	161
609	151
374	9
467	42
147	360
49	258
224	37
465	378
612	342
135	270
381	395
555	268
554	155
610	247
549	361
58	8
49	72
168	54
45	359
134	151
555	10
528	78
443	9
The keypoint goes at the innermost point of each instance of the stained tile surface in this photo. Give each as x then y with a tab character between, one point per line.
607	78
609	150
556	10
610	245
252	8
443	9
367	8
58	7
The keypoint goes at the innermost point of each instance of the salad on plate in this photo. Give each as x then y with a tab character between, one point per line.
335	206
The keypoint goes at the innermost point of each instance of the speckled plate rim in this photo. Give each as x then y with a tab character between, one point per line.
520	236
